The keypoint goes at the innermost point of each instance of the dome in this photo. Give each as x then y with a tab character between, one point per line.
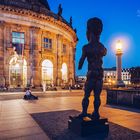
40	6
45	2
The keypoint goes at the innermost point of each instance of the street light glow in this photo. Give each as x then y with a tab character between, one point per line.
121	42
119	45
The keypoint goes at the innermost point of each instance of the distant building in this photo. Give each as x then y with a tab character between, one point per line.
135	75
126	76
110	76
81	78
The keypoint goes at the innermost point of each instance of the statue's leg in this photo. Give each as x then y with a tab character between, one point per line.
88	88
97	101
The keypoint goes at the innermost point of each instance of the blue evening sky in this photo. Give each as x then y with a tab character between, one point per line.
121	19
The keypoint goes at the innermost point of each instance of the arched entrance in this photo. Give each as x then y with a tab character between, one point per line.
64	71
47	72
17	72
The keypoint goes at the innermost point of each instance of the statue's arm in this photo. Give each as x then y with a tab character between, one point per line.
104	51
82	59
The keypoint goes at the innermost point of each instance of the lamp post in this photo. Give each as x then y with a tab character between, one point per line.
119	53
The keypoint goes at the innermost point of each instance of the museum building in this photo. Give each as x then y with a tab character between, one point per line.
37	46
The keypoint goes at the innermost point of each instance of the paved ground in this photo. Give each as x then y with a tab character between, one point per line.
16	122
19	95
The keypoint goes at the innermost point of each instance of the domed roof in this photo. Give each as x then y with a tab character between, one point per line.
34	5
38	6
45	2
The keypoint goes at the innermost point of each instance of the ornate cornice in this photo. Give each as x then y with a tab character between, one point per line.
50	18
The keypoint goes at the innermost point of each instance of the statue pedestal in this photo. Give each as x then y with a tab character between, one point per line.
87	126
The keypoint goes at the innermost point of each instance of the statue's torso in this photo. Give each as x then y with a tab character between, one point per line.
94	53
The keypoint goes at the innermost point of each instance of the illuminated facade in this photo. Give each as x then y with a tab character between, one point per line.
36	45
110	76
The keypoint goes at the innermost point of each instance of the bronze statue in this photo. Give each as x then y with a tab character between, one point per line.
94	52
60	10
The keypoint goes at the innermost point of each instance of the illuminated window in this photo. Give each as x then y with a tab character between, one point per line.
108	74
17	73
47	43
18	41
64	71
47	72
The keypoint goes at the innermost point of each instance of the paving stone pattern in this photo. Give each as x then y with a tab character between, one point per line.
16	121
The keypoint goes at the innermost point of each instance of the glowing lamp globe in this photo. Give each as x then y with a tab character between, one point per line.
119	47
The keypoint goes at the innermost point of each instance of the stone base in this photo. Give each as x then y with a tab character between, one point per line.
87	126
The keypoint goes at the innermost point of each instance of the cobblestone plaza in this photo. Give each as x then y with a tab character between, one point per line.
16	121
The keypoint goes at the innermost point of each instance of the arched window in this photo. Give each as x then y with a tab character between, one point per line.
24	72
17	72
47	72
64	71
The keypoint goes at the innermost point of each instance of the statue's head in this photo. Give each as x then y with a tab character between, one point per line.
94	27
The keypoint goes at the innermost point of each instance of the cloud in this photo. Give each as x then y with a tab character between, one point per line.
138	13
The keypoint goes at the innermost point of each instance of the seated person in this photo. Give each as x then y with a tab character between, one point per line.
28	95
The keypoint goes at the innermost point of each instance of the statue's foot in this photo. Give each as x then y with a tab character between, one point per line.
82	115
95	116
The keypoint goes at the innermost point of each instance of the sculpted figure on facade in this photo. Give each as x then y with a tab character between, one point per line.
15	55
71	20
60	10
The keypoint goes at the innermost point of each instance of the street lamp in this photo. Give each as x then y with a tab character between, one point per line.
119	50
119	53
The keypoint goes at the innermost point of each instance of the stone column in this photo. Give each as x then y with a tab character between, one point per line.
6	46
28	55
70	79
55	61
34	57
72	63
119	68
2	79
59	60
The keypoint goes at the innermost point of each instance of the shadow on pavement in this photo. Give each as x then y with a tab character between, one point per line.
55	125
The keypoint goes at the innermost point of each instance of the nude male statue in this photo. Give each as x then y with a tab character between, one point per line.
94	52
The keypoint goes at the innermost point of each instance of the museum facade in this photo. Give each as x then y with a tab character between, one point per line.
36	45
